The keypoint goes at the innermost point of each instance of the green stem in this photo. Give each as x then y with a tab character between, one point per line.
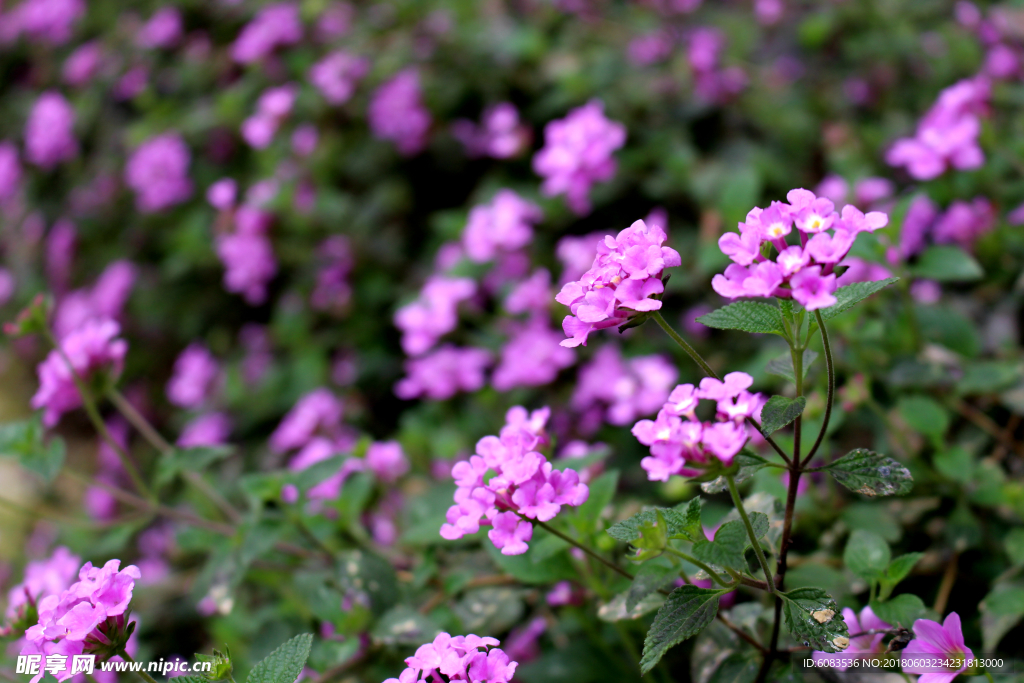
697	563
734	492
551	530
988	675
830	399
708	372
142	673
89	403
797	354
157	441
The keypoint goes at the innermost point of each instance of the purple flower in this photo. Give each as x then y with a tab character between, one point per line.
859	270
91	349
104	301
132	83
812	290
524	484
158	173
332	290
50	21
577	153
49	138
248	255
768	12
947	136
89	612
272	108
935	644
318	450
334	21
649	48
221	195
43	577
276	25
196	374
163	30
625	274
433	314
870	190
530	295
499	135
82	64
387	460
212	429
921	214
862	647
397	113
621	391
317	413
963	223
336	75
443	373
462	658
502	225
532	357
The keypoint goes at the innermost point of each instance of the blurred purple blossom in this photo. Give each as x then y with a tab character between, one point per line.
504	224
211	429
275	26
397	113
163	30
499	135
337	74
82	64
443	373
49	135
424	321
195	377
532	356
158	173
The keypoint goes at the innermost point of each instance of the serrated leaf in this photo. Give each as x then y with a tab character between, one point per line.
872	474
649	578
867	554
284	664
947	264
779	411
189	460
849	296
783	365
903	610
682	522
686	612
746	463
746	316
190	678
813	617
731	540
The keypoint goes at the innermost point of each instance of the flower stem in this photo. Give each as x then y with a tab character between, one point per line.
89	404
830	366
697	563
708	372
734	492
551	530
142	673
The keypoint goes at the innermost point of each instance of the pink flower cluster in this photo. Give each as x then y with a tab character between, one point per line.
43	577
684	447
332	291
10	171
49	134
807	267
711	82
91	349
620	391
444	372
275	26
105	300
624	275
50	21
272	108
196	375
502	225
532	356
433	314
211	429
459	658
336	75
499	135
163	30
947	136
248	255
85	616
524	483
578	153
397	113
313	427
158	173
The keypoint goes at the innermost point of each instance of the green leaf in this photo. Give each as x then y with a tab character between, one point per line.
924	415
812	616
682	522
902	610
731	540
686	612
47	461
867	554
602	490
189	460
779	411
739	667
649	578
191	678
24	440
1014	544
220	666
947	264
746	316
525	570
783	365
615	609
361	572
850	295
867	472
897	570
1001	610
284	664
745	464
404	626
955	463
987	377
